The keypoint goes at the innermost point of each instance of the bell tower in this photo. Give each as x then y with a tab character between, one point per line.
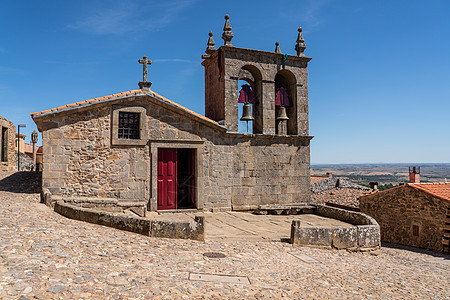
277	85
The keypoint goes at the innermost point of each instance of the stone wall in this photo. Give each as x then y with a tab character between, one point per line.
363	236
8	128
233	170
399	209
79	160
155	228
26	163
270	171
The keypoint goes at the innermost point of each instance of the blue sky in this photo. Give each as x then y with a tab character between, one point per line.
379	79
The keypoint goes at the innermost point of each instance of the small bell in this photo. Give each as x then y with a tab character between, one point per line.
282	114
247	113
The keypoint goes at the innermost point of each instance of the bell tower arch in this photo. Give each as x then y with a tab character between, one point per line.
265	72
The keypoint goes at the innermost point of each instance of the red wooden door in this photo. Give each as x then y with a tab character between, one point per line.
167	178
191	167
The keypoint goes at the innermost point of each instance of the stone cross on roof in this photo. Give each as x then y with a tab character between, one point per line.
144	85
145	61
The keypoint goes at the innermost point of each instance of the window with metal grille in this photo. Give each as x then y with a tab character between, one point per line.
128	125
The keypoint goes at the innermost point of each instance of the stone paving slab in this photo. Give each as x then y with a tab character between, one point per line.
219	278
305	258
246	226
44	255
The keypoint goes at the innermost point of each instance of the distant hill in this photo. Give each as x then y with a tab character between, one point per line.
384	174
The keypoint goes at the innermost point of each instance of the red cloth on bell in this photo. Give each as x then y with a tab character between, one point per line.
281	98
246	95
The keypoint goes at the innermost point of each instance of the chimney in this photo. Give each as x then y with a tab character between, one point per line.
373	185
414	174
329	174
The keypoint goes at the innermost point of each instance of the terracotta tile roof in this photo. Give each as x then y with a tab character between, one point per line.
137	92
441	189
56	109
315	178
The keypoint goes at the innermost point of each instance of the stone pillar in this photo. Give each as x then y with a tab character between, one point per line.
34	139
231	104
268	98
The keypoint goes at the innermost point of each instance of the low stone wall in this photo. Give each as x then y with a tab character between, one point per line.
155	228
100	204
351	217
363	236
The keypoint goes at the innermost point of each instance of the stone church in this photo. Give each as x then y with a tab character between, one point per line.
139	148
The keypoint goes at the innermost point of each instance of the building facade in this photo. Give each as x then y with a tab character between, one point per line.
138	146
413	214
8	145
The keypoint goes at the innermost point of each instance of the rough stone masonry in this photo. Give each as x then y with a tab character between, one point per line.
85	155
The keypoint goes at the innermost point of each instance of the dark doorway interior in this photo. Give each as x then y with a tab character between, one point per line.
186	178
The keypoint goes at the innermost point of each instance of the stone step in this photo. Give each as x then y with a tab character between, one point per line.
183	210
132	203
82	200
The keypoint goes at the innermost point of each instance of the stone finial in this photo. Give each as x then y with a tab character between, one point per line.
300	45
227	34
211	45
277	48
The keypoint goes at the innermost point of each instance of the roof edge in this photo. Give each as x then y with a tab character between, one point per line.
128	94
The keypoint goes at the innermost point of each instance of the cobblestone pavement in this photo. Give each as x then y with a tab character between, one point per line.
47	256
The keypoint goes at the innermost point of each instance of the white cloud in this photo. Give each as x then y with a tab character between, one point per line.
119	17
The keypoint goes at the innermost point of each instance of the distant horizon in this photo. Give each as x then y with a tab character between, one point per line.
386	163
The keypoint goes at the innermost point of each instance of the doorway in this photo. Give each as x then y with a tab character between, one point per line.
176	178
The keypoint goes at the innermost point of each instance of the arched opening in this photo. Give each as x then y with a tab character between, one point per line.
250	86
286	87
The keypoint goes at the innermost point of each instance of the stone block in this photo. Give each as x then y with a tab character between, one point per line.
312	236
126	194
369	236
140	211
142	169
176	229
123	222
345	238
61	159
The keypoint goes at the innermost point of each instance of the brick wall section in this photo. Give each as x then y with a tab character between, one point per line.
398	209
238	171
11	163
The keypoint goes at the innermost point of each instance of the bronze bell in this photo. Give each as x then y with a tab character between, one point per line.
247	113
282	114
